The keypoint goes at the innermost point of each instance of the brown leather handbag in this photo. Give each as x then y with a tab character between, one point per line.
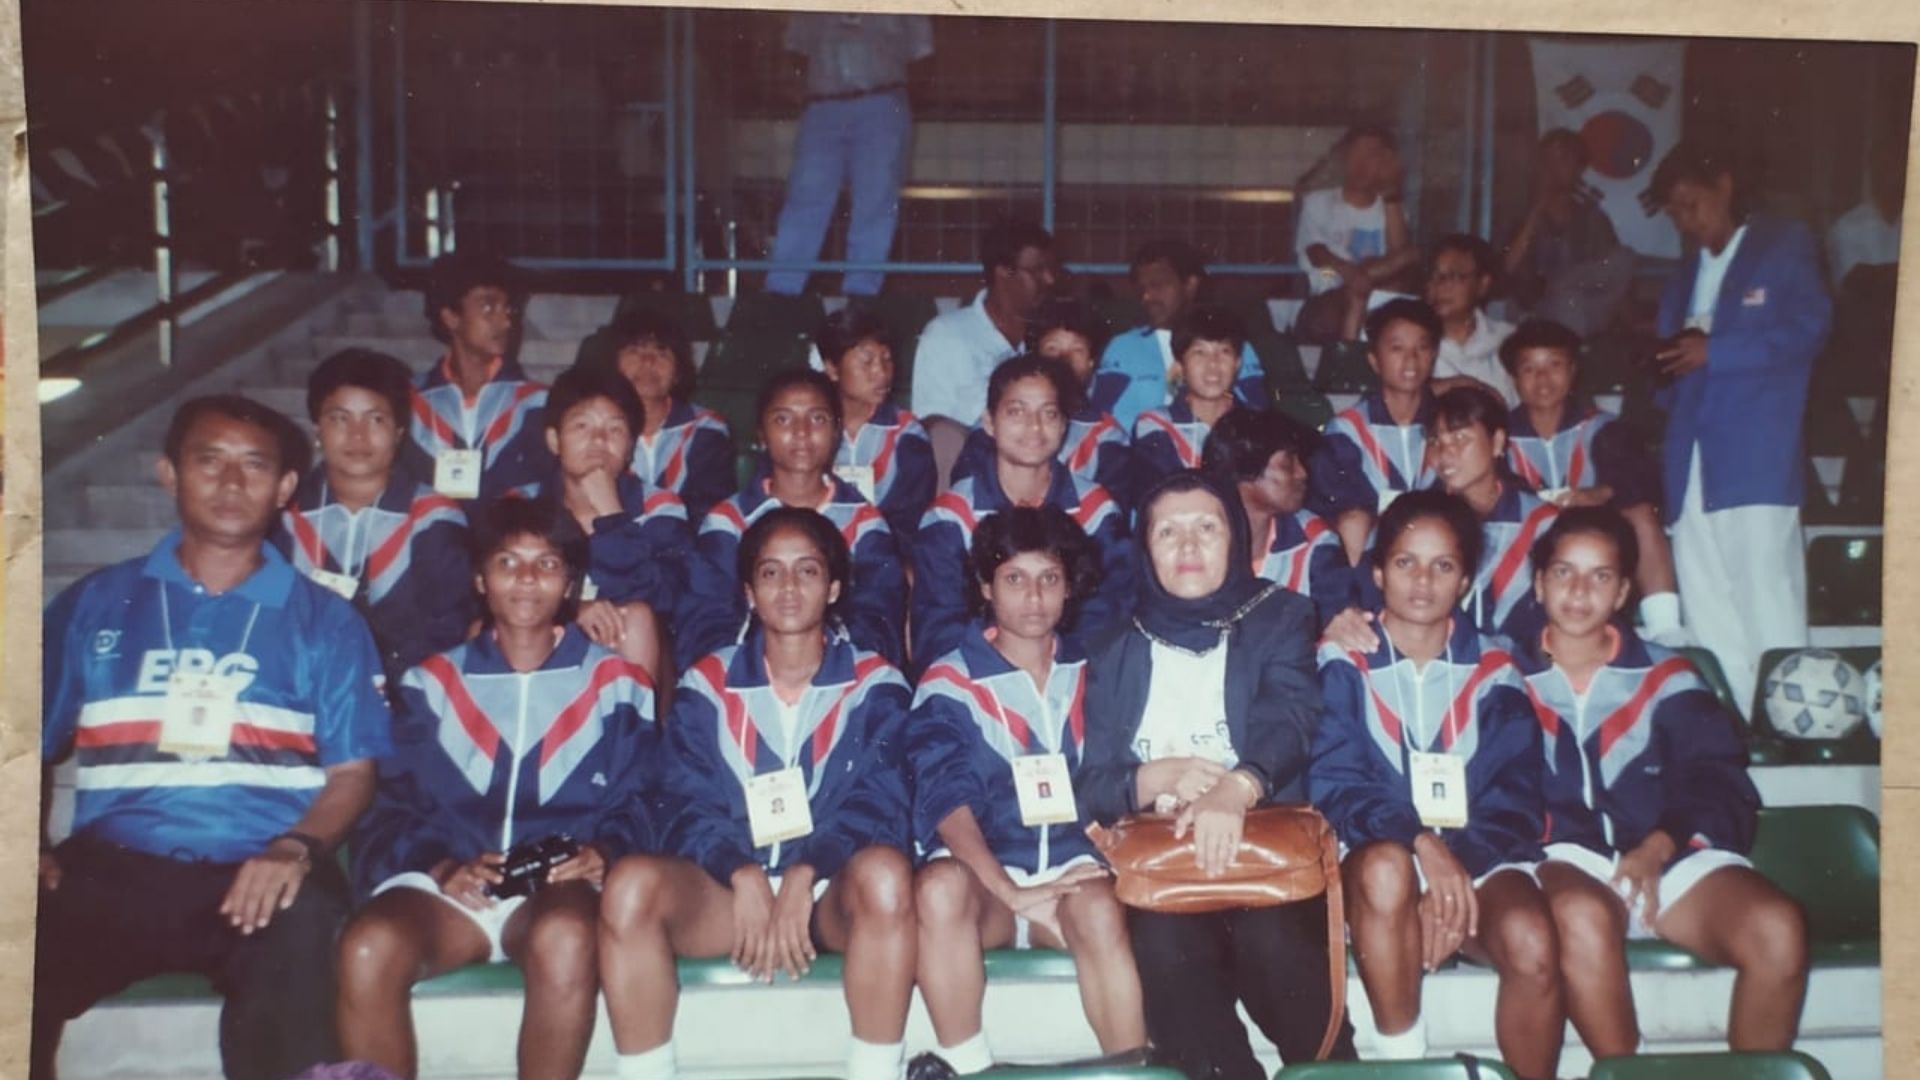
1287	853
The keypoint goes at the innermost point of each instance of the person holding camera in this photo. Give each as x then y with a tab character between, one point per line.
523	761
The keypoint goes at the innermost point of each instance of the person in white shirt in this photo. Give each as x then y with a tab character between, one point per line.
1869	234
1460	275
959	349
1352	239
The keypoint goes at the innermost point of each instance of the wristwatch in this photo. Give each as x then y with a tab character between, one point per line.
314	848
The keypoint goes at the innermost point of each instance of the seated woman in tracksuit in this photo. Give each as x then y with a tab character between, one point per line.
365	525
1574	455
682	448
1096	448
996	733
638	541
1650	811
1206	355
1427	763
1377	449
1263	455
799	412
527	732
790	819
883	451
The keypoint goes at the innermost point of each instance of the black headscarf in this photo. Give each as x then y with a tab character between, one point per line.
1196	623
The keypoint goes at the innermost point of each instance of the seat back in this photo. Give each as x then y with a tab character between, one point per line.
1786	1065
1454	1068
1843	580
1827	858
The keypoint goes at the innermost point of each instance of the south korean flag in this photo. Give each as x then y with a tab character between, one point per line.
1623	99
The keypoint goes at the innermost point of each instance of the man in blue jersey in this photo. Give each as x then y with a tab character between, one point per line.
223	713
1170	276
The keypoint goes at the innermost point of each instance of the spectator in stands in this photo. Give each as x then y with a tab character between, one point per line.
1028	401
1263	455
1580	456
1008	863
789	836
1170	277
800	424
363	524
1206	706
884	452
1863	255
1352	240
527	733
1438	805
1377	449
857	130
223	713
1743	319
1206	349
1869	234
959	349
684	448
1096	448
637	537
1459	279
1564	261
1467	445
1649	816
476	415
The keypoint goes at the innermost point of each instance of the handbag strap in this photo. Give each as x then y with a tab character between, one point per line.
1336	940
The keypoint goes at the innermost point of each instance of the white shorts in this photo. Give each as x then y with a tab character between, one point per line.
819	886
1526	868
1674	884
1027	879
491	921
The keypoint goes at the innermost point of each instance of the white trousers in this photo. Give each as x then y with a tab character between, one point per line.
1743	581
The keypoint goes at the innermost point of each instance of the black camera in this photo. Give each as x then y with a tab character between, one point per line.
525	871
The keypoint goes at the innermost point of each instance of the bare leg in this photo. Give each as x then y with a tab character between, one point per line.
1383	898
1592	924
399	938
552	938
957	919
1516	935
867	913
1095	929
1656	554
652	909
1736	917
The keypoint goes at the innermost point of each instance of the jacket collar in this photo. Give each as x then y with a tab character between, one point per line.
269	585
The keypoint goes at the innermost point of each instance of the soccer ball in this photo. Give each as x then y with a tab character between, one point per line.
1815	694
1873	698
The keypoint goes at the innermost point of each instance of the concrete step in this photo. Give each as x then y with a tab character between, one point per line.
98	547
544	358
126	506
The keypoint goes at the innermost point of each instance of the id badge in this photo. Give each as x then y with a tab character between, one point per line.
346	585
456	474
198	714
1386	499
1439	789
777	807
860	476
1045	789
1556	496
589	592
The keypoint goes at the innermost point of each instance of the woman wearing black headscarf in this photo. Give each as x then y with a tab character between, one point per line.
1207	705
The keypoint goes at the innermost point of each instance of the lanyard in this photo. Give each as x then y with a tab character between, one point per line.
1419	704
166	621
348	562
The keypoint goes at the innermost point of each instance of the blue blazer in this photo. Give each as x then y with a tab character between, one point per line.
1744	408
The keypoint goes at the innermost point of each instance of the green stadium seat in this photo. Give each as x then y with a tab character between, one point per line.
691	312
1344	369
762	312
1828	858
1280	361
1453	1068
1830	427
1612	362
1311	409
1086	1072
1709	667
744	359
735	406
1859	748
1843	580
1784	1065
1256	319
1863	487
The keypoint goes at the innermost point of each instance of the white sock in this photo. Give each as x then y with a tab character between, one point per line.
876	1061
970	1056
654	1064
1408	1045
1659	613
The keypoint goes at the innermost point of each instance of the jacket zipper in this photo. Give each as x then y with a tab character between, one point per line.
513	773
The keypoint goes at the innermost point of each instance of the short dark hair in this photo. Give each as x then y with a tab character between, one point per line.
1182	256
363	369
584	382
1464	406
1073	316
1602	521
1485	262
1538	334
812	524
1245	440
638	326
789	378
1568	140
1026	366
1438	505
1403	309
289	441
1699	162
500	520
843	331
1368	131
1207	322
1003	241
454	276
1046	529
